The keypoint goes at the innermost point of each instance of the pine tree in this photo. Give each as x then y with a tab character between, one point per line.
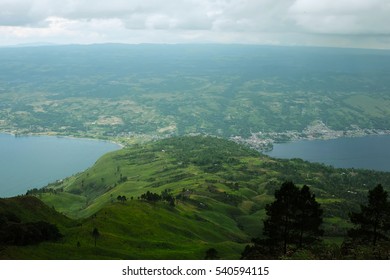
281	213
373	221
294	218
308	219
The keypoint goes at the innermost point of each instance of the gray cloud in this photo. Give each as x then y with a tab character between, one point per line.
16	13
293	22
342	17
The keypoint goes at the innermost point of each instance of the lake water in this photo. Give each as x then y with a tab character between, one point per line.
368	152
34	161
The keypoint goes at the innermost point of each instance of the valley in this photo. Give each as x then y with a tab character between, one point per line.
219	188
193	120
255	94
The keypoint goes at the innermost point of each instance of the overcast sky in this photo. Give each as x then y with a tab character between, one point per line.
339	23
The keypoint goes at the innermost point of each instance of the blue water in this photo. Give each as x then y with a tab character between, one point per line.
34	161
368	152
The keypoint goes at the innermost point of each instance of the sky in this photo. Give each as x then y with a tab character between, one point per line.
335	23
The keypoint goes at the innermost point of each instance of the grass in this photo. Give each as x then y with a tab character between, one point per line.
374	107
137	230
65	203
221	191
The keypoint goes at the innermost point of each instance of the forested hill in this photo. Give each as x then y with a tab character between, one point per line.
180	197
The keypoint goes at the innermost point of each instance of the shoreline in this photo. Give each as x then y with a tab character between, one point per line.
53	134
263	142
268	141
366	152
260	141
21	189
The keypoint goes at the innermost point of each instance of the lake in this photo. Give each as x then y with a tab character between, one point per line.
368	152
34	161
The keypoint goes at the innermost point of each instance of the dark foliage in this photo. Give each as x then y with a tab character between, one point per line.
211	254
13	232
259	250
373	221
293	222
293	218
166	195
308	218
122	198
149	196
371	234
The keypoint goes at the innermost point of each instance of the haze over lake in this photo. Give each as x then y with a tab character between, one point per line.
34	161
369	152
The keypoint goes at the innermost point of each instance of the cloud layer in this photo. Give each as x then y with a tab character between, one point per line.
361	23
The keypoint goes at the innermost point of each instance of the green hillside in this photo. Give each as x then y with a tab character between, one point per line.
31	209
220	190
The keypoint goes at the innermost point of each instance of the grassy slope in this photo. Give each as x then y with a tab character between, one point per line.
223	187
31	209
136	230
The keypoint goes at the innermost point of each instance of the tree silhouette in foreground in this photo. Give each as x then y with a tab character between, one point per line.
293	222
308	218
294	218
372	223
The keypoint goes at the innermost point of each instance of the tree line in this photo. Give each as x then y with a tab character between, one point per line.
166	195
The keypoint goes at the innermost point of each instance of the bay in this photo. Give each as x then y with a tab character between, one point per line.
34	161
367	152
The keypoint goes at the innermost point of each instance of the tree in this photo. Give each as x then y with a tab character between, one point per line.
168	197
309	218
278	225
294	218
95	234
372	223
211	254
121	198
259	250
149	196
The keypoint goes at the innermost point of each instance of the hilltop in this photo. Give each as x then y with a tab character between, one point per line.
219	189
